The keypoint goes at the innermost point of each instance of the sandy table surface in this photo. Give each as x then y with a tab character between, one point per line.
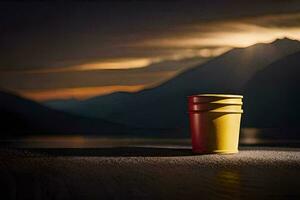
149	173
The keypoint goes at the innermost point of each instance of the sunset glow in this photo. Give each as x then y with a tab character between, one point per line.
77	93
246	35
128	63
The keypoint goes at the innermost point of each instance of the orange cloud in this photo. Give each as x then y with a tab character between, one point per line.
126	63
80	93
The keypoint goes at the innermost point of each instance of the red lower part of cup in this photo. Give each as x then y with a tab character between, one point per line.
198	137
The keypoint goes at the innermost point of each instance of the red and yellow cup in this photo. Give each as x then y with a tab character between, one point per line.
215	122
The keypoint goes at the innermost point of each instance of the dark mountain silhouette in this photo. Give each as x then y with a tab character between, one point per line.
165	105
272	96
21	117
64	104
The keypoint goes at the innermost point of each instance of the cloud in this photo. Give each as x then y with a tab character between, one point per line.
151	75
281	21
241	32
79	93
113	64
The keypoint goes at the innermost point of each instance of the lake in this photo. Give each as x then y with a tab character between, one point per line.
248	137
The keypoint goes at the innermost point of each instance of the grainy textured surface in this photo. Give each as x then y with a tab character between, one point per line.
149	173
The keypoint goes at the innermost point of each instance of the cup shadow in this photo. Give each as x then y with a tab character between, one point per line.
113	152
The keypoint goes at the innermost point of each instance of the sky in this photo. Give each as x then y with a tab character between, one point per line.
81	49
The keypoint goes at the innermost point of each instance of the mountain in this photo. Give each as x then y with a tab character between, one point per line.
58	103
21	117
166	105
272	96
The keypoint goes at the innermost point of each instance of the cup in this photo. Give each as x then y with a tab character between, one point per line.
215	122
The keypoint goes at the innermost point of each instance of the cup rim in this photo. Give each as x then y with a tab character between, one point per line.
218	95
